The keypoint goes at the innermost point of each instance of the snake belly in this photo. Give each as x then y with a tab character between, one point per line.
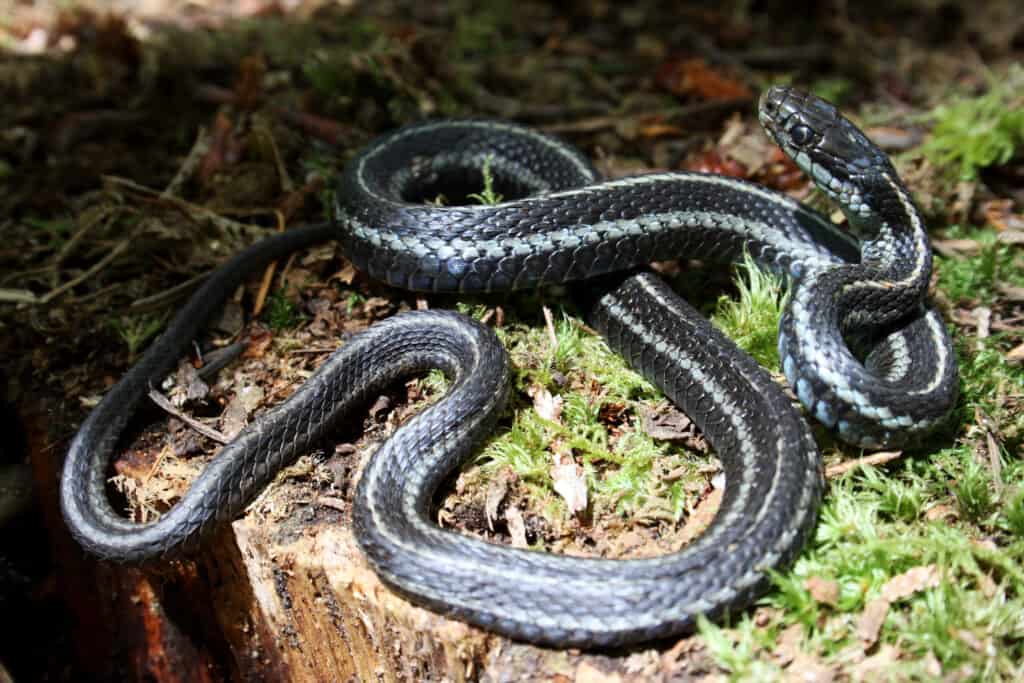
562	225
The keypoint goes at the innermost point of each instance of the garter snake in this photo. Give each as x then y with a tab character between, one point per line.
866	291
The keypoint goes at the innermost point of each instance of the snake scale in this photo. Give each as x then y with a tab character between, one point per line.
859	344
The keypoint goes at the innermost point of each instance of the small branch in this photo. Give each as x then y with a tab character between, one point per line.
193	211
879	458
549	323
24	296
188	167
160	299
268	274
166	405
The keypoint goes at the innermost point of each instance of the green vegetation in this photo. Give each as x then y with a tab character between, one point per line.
136	331
58	229
975	277
876	527
752	321
589	381
488	196
835	89
281	313
973	133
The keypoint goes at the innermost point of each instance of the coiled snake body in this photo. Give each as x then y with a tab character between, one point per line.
566	225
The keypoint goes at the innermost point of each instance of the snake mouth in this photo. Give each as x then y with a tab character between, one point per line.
769	108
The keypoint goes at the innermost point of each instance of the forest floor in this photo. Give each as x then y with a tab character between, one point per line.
142	145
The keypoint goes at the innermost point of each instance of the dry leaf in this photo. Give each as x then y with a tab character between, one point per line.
588	673
1016	354
236	414
969	639
669	424
893	139
570	484
1011	292
940	512
806	668
869	625
1012	237
516	527
878	666
999	214
956	248
697	77
788	644
496	492
701	518
547	406
911	581
346	275
932	665
825	591
987	586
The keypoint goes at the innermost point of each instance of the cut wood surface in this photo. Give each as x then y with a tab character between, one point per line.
331	618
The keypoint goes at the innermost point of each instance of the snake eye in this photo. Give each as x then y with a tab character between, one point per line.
801	134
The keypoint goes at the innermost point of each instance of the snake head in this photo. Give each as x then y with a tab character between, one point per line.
827	146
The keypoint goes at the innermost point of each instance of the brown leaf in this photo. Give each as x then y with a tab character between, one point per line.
697	77
259	341
969	639
807	668
516	527
668	424
570	484
225	149
825	591
249	86
346	275
869	625
660	130
236	414
940	512
1012	237
496	492
1016	354
878	666
788	644
957	248
912	581
588	673
894	139
701	518
999	214
713	162
547	406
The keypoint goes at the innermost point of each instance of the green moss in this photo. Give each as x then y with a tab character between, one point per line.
135	331
973	491
752	321
281	313
975	277
987	379
973	133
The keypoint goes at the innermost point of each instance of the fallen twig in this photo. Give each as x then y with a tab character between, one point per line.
879	458
166	405
189	165
27	297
